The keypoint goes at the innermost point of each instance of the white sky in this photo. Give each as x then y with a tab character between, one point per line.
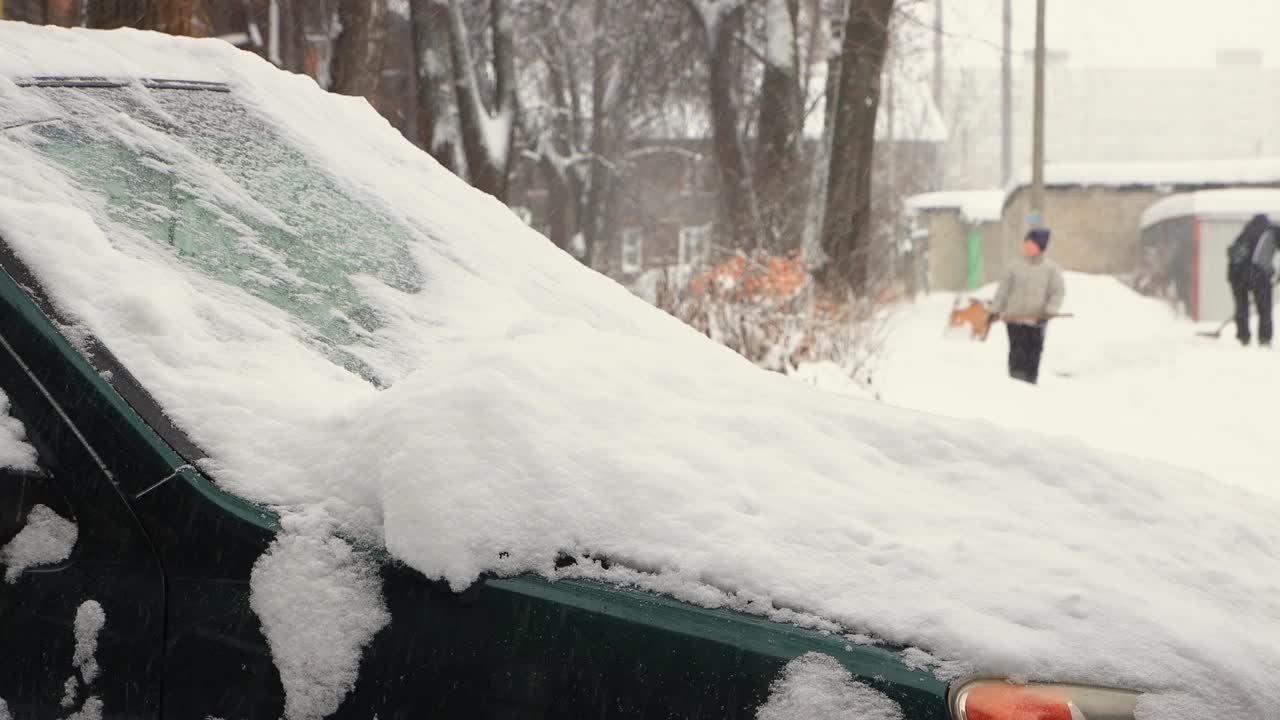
1118	32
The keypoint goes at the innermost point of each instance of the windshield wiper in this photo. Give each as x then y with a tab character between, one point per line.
26	123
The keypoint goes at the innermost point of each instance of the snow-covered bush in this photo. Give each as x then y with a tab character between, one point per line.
768	309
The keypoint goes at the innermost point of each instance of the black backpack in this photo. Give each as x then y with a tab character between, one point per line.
1240	252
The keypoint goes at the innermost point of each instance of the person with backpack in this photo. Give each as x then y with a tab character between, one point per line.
1249	270
1029	295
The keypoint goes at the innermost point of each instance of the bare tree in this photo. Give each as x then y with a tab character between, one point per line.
357	55
43	12
721	22
487	137
846	221
435	130
288	31
598	79
32	11
175	17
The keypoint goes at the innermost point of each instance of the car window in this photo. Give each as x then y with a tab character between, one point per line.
198	176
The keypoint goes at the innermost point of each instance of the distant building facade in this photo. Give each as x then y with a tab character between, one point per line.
1095	211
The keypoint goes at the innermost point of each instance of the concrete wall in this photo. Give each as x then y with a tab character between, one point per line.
1169	265
1095	229
1215	292
948	263
947	256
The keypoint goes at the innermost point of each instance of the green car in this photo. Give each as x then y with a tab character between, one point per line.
168	555
113	504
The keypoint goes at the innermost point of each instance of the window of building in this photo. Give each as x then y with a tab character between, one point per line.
632	250
695	244
695	178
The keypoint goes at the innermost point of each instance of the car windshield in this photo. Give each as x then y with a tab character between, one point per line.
192	173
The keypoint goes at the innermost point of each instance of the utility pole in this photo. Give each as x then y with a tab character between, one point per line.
1037	141
938	79
1006	99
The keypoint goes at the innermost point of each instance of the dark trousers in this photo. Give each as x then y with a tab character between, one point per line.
1256	282
1026	345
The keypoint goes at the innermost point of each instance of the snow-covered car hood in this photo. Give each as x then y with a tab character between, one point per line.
524	406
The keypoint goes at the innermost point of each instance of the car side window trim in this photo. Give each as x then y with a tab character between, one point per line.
19	288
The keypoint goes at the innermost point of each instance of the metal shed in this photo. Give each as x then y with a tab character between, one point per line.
1186	237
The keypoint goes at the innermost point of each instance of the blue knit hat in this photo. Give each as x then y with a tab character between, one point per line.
1040	236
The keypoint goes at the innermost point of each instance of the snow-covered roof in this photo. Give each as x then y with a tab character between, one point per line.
1115	114
1252	171
1214	204
528	407
973	205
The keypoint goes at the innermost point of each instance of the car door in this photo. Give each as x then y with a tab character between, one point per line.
82	634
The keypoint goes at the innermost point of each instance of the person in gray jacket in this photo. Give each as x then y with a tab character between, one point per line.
1029	295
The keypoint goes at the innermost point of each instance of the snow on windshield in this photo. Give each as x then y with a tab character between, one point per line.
530	407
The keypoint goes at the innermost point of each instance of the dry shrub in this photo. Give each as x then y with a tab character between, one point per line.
768	309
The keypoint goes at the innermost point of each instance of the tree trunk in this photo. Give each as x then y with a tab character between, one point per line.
595	211
556	149
107	14
42	12
357	54
66	13
846	222
430	25
30	11
175	17
486	139
292	32
720	21
504	67
777	153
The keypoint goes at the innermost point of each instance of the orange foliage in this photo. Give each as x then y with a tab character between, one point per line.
766	277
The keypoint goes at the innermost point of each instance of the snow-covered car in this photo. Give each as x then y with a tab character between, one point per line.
298	424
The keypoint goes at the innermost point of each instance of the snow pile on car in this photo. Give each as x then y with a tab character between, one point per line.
15	452
818	687
46	538
533	408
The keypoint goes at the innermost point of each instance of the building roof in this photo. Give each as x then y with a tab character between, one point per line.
1234	204
1251	171
973	205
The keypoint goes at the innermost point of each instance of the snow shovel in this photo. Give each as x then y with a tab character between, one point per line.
1215	334
1026	319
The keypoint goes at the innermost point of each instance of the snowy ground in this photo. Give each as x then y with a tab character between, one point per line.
1126	374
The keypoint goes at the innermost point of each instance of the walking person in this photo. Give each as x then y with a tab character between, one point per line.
1030	293
1249	270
